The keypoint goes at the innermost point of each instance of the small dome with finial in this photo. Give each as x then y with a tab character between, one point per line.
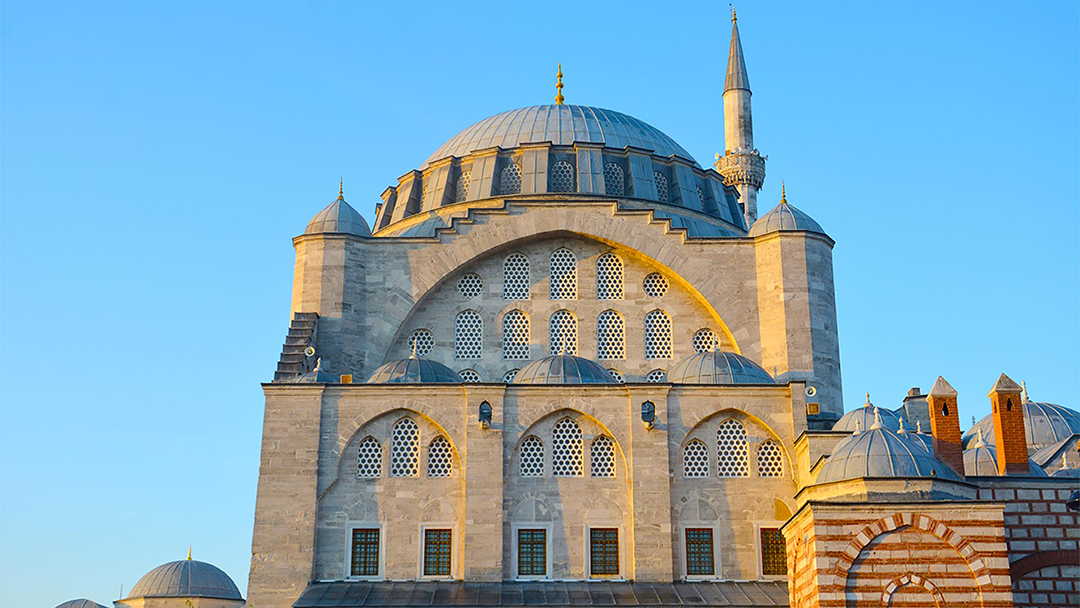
186	578
1044	424
785	218
339	217
980	459
865	417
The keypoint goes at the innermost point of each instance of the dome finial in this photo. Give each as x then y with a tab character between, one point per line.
1023	391
867	404
558	87
412	355
918	426
858	426
877	420
901	430
341	189
189	553
979	442
733	19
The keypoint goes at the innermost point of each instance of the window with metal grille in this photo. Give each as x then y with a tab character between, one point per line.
561	177
770	461
468	335
470	286
532	457
603	551
563	284
657	335
695	459
463	186
365	552
440	458
369	459
661	186
731	452
705	340
655	285
701	197
509	376
532	552
563	333
405	449
516	277
602	457
515	336
437	552
469	375
421	342
617	375
566	449
699	552
656	375
609	277
610	336
614	182
510	179
773	552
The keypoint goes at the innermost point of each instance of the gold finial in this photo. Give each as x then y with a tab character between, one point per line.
341	189
189	553
1024	396
558	86
783	192
733	19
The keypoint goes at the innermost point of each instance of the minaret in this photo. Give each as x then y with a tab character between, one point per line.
741	164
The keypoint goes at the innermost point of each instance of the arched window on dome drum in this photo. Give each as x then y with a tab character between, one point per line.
510	179
463	186
369	459
516	277
468	335
515	336
561	177
563	285
440	458
602	457
566	449
610	336
405	449
564	334
657	335
661	186
614	180
609	277
705	340
770	460
696	459
531	457
731	451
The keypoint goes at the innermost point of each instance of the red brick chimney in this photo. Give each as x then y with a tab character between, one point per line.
1009	433
945	425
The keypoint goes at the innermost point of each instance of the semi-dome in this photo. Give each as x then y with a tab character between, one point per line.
80	603
785	217
981	459
863	418
718	367
880	452
562	125
339	216
1044	423
186	578
414	370
564	369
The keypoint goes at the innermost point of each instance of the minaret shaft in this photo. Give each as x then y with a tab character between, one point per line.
741	164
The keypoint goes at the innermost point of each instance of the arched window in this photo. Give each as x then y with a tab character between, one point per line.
516	277
566	449
695	460
770	460
468	335
515	335
657	335
610	336
469	376
656	375
369	459
609	277
405	449
510	179
617	375
614	182
532	457
509	376
563	275
705	340
420	342
731	456
661	186
463	186
655	285
561	177
440	457
563	328
701	197
470	285
602	457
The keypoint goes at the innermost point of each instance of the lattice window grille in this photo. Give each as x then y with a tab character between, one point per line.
655	285
515	335
602	457
470	285
657	335
440	458
770	460
610	336
516	277
609	277
731	452
405	449
469	376
463	186
531	462
509	376
657	375
561	177
563	275
566	449
614	182
564	334
617	375
695	459
510	179
421	342
661	186
468	335
369	459
706	340
701	197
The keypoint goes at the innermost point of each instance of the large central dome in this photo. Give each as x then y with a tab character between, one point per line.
562	125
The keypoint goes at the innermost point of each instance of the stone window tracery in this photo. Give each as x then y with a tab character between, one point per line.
564	334
655	285
440	458
470	285
516	277
469	376
602	457
561	177
515	335
731	452
510	179
706	340
369	459
617	375
563	284
509	376
661	186
696	459
463	186
468	335
614	182
405	449
566	449
610	336
657	335
609	277
421	342
770	460
531	457
656	375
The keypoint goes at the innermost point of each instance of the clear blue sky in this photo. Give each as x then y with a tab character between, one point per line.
158	157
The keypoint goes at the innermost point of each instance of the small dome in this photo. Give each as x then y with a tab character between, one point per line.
338	216
564	369
80	603
1044	423
981	460
414	370
718	367
864	417
784	217
880	452
186	578
1061	455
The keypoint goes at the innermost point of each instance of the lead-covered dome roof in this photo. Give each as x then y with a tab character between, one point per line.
981	459
414	370
880	452
562	125
186	578
1044	424
340	217
564	369
785	217
718	367
861	419
80	603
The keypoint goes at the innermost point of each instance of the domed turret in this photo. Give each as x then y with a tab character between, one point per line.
1044	424
865	418
784	218
80	603
186	579
879	452
981	459
414	370
564	369
339	217
718	367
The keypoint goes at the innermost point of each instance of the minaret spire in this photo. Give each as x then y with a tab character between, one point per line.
558	87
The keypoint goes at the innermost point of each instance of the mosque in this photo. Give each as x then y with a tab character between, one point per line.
568	365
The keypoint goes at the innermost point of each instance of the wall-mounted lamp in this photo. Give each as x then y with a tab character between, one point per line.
485	415
648	414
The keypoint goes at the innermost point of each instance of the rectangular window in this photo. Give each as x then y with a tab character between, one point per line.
603	551
436	552
773	552
699	552
532	552
365	552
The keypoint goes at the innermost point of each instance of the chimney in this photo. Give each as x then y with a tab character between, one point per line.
945	425
1009	433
